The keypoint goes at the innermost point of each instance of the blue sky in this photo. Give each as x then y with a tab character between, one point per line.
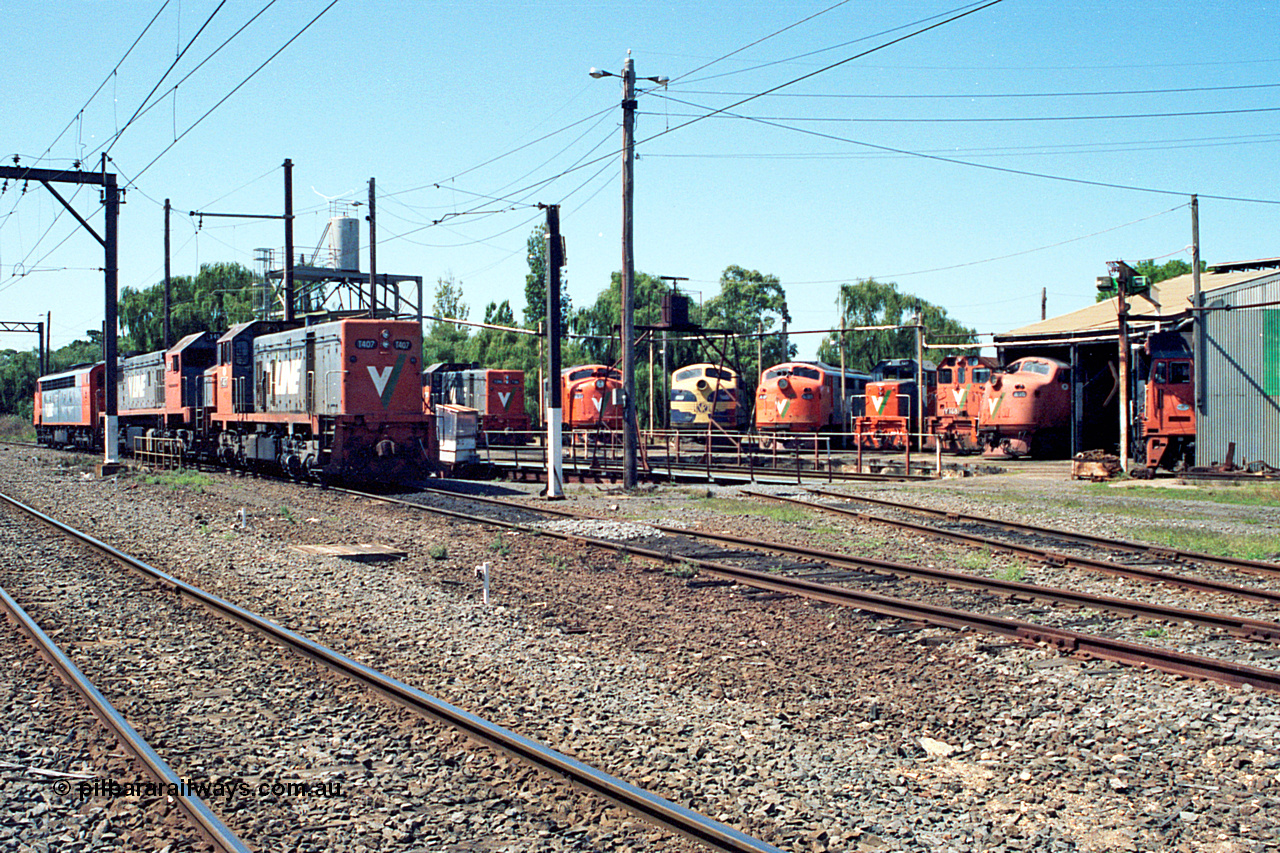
470	114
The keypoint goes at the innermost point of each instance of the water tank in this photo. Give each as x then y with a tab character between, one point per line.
344	242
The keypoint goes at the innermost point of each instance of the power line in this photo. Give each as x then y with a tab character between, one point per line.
981	119
190	74
823	49
958	162
172	65
238	86
955	17
994	95
1009	150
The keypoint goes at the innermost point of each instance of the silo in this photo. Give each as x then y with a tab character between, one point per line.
344	242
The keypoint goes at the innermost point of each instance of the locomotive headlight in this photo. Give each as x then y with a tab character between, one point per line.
599	383
385	334
783	383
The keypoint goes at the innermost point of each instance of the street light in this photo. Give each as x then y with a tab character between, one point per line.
629	425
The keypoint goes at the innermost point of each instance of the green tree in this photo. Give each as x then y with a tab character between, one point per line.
1169	269
747	302
535	284
18	372
868	302
446	341
600	322
219	296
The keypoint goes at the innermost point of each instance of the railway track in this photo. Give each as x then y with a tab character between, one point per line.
654	809
1044	555
716	563
201	817
1156	552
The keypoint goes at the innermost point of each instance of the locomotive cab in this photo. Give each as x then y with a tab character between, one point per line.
1168	424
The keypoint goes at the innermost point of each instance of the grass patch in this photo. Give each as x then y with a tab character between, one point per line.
729	506
287	515
438	552
975	561
500	546
177	480
683	570
1244	494
17	428
1154	632
1014	573
1246	546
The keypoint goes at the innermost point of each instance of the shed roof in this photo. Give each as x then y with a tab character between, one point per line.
1166	301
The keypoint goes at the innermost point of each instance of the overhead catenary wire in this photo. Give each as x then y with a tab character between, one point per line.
988	166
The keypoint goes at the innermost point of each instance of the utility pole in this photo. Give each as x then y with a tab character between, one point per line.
629	426
373	255
109	241
846	411
168	339
288	240
918	420
665	385
111	245
555	453
1197	302
1123	274
1044	302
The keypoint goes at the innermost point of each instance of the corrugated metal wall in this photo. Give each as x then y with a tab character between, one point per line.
1242	375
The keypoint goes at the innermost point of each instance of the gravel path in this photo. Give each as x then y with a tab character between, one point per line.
811	727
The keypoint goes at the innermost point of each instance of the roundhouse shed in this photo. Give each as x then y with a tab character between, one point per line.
1234	398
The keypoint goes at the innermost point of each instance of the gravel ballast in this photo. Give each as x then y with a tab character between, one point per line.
811	727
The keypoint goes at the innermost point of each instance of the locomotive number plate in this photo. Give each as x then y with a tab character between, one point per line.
403	344
366	343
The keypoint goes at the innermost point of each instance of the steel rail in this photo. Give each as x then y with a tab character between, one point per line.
1156	551
1071	642
1043	554
655	809
201	816
1239	626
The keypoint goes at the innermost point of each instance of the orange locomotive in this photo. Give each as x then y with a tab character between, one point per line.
1026	410
498	396
68	407
962	382
590	395
1168	422
891	414
337	400
805	396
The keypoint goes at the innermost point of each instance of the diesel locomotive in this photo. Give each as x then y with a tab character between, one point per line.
338	400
